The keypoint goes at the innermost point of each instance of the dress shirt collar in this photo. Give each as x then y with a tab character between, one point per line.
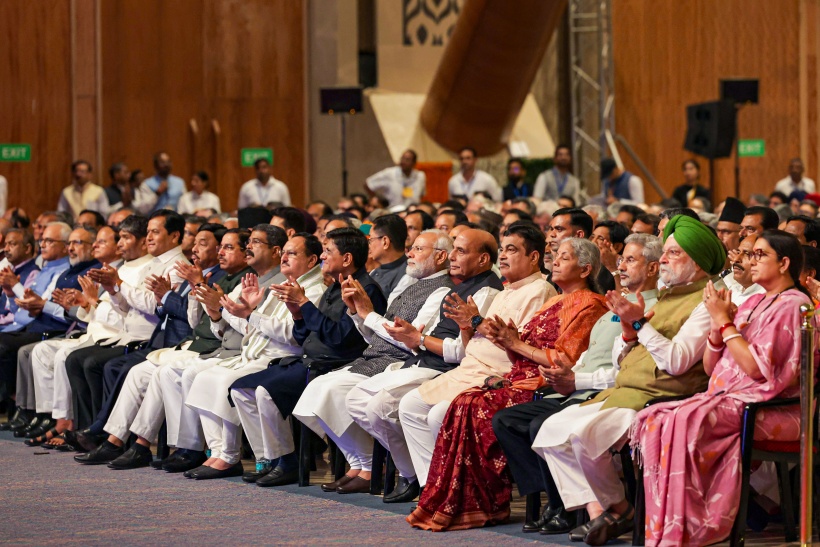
23	263
51	264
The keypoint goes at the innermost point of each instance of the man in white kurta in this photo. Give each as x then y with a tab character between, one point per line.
401	184
264	189
268	335
469	180
322	405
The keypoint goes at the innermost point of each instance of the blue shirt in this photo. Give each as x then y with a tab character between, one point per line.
50	271
176	187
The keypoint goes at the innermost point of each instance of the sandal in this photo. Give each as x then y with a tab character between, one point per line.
579	533
55	442
37	441
607	527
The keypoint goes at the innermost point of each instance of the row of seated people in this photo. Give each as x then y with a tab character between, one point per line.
439	366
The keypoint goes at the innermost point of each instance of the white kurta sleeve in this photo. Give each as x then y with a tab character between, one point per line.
686	348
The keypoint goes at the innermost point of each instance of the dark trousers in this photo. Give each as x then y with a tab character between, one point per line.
10	343
516	428
114	373
84	368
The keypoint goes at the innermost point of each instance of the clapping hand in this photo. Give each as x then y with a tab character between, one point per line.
609	258
458	310
504	335
31	302
159	285
190	273
249	299
404	332
718	303
106	276
209	297
814	288
63	297
8	278
355	297
292	295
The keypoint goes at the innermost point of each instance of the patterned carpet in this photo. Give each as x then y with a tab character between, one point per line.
49	499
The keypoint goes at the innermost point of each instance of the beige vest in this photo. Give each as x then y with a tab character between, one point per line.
639	379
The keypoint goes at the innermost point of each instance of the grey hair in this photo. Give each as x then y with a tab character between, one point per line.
89	230
652	245
443	242
65	229
587	254
592	208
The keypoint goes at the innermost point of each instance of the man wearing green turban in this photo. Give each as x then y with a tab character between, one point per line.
698	241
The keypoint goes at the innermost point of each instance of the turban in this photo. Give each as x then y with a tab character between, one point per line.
699	242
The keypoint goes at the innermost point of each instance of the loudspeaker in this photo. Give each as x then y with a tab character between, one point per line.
340	100
740	91
710	129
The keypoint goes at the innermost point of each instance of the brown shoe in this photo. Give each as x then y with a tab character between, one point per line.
331	487
357	485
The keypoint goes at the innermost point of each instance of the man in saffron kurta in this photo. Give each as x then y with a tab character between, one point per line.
658	354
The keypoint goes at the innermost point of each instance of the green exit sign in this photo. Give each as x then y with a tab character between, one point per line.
751	148
250	155
15	152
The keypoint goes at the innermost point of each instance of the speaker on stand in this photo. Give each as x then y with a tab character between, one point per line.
341	101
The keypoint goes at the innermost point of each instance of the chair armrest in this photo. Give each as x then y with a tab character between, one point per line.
772	403
49	334
542	392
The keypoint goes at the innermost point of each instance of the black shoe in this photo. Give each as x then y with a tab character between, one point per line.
278	477
43	425
135	457
157	464
104	453
560	522
87	440
14	419
21	431
23	421
404	492
183	460
208	473
71	440
261	470
536	525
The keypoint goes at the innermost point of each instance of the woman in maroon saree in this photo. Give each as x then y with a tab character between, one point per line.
469	484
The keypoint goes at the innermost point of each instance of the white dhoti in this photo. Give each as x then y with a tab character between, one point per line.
51	385
322	408
577	445
374	405
269	434
208	396
175	380
25	394
421	422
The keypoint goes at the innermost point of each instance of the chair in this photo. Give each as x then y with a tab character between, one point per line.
306	454
382	465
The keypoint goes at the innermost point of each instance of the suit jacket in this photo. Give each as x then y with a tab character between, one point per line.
53	317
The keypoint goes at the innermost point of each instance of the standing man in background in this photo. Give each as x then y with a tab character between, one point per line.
264	188
167	187
401	184
470	180
558	181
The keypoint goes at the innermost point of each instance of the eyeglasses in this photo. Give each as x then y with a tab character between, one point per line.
49	241
759	254
291	254
420	249
228	248
371	239
630	260
259	242
78	242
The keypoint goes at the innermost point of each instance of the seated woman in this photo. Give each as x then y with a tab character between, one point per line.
469	485
691	449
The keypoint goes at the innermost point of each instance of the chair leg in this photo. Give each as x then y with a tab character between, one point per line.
305	455
787	501
533	507
339	464
639	529
389	475
738	537
376	482
162	442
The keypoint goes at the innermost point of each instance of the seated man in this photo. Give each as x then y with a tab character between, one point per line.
268	328
321	406
328	337
517	426
47	316
659	354
438	346
36	362
130	400
19	250
85	366
386	247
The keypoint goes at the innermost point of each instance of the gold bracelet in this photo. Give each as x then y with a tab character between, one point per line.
532	355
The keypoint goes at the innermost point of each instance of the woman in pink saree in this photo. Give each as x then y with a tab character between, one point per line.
690	450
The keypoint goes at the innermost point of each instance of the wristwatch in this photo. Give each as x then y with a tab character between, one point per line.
421	342
476	321
639	323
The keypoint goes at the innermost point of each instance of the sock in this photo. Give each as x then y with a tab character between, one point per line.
142	449
110	446
288	462
262	464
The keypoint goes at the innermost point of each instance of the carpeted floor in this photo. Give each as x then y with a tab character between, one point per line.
48	499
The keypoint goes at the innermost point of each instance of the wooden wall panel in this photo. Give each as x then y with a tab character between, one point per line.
35	103
671	54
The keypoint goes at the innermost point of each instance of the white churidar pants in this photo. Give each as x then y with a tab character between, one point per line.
421	422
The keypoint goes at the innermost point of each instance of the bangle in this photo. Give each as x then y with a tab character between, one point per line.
714	347
532	355
732	337
629	340
724	327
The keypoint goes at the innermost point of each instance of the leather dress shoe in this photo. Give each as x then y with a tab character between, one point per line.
86	440
578	534
135	457
560	522
181	461
21	431
404	492
260	471
357	485
207	473
23	423
104	453
332	486
14	419
43	425
278	477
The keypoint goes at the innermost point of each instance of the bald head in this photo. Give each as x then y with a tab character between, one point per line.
474	252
